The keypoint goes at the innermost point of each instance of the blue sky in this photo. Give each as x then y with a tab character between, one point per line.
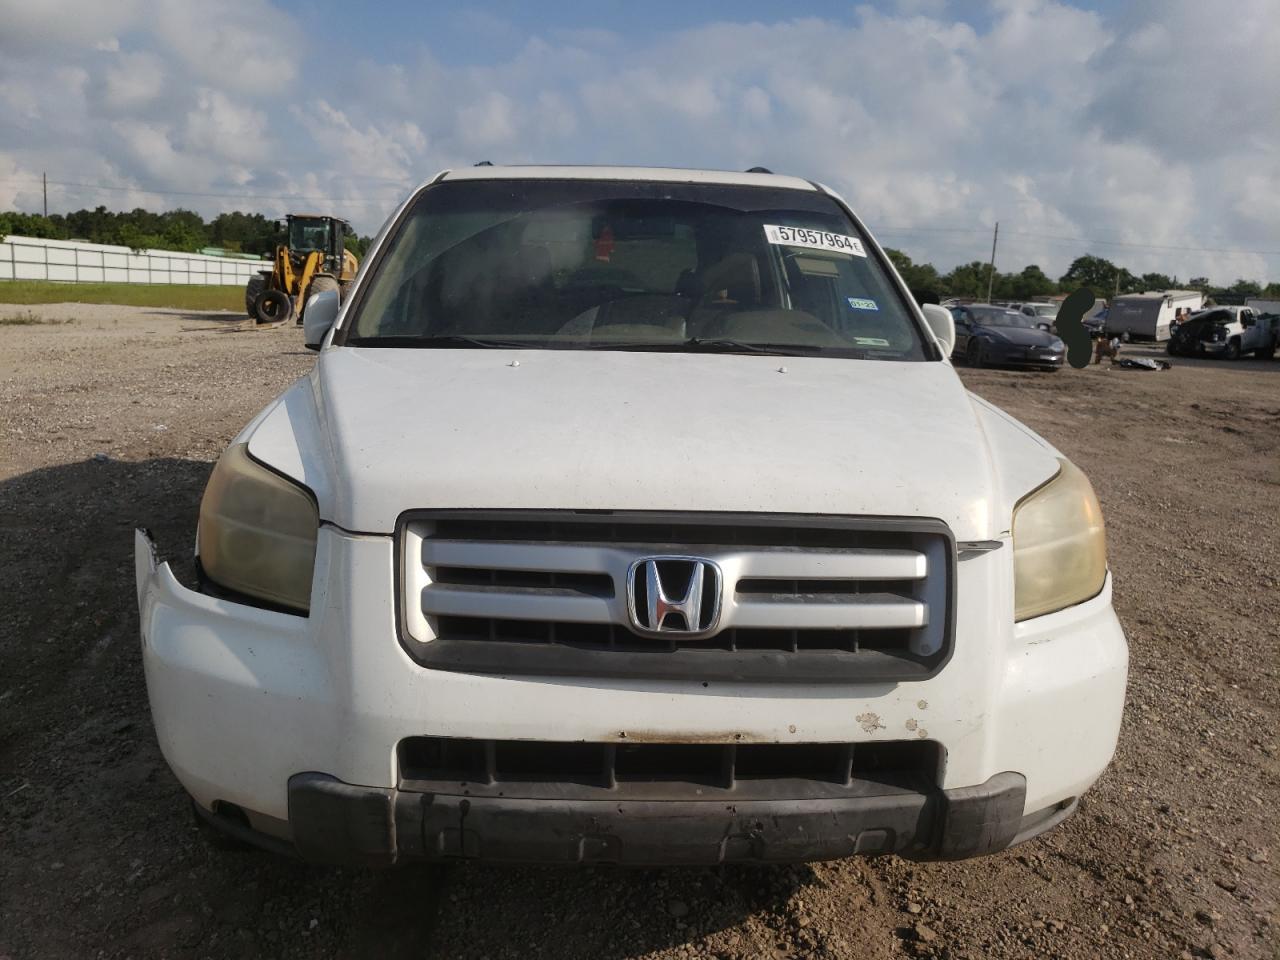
1081	127
476	33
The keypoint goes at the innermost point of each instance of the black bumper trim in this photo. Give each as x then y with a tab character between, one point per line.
513	658
335	822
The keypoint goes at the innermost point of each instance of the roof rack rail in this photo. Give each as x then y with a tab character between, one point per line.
485	163
759	170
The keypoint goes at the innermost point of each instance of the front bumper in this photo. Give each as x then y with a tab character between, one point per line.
245	700
335	822
1029	356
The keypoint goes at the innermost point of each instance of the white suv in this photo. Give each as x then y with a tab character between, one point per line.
634	515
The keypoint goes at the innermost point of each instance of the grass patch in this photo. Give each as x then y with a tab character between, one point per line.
178	296
30	319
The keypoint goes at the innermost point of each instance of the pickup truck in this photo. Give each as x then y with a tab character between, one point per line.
635	516
1229	332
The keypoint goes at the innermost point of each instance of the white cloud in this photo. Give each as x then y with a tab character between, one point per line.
49	26
218	127
247	46
133	80
487	122
1149	125
371	151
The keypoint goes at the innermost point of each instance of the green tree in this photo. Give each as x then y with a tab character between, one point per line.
1244	288
357	245
184	230
29	225
1101	276
968	280
920	278
1157	281
1031	282
246	232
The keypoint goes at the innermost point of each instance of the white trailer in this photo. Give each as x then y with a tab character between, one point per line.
1148	316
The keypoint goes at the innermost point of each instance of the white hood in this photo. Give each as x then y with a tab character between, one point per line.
375	432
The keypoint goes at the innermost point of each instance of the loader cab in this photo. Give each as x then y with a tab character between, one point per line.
312	233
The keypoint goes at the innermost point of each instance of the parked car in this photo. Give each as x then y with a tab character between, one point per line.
1044	313
1227	331
634	515
997	335
1097	324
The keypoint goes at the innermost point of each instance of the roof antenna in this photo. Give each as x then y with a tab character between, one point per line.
485	163
759	170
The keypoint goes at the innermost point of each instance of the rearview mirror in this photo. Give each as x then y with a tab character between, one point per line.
318	316
942	325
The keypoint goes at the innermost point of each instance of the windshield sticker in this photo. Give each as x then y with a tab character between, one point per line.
859	303
813	240
871	341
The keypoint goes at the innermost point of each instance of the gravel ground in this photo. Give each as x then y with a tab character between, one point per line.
111	420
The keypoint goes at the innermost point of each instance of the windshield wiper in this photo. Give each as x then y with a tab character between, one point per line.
452	340
727	346
692	345
708	345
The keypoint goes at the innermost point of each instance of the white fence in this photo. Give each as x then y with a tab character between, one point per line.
28	258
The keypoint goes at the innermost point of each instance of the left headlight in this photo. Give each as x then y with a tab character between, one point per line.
258	532
1059	547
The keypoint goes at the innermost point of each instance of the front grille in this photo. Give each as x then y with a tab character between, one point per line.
617	771
791	598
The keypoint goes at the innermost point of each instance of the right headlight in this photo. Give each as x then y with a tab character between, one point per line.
1059	548
258	532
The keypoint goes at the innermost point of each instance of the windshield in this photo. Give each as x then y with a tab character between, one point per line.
1005	318
594	264
306	235
1215	316
1045	309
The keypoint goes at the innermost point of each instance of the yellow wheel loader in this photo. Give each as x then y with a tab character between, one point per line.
312	259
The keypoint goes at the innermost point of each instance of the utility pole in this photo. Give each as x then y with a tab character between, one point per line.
991	270
44	187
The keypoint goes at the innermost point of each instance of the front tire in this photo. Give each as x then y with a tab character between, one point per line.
273	306
973	355
252	290
1233	350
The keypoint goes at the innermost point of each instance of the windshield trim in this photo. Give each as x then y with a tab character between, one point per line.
394	226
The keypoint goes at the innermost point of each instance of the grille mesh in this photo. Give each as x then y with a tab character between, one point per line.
873	597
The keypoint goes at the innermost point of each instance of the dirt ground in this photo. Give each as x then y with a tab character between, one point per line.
111	420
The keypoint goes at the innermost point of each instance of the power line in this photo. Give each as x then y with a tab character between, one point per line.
403	186
196	193
976	231
1145	246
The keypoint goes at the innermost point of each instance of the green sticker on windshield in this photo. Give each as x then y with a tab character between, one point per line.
859	303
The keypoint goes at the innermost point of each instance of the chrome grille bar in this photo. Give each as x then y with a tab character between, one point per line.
872	592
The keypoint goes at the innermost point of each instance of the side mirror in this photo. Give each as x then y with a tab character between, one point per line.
318	316
943	326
